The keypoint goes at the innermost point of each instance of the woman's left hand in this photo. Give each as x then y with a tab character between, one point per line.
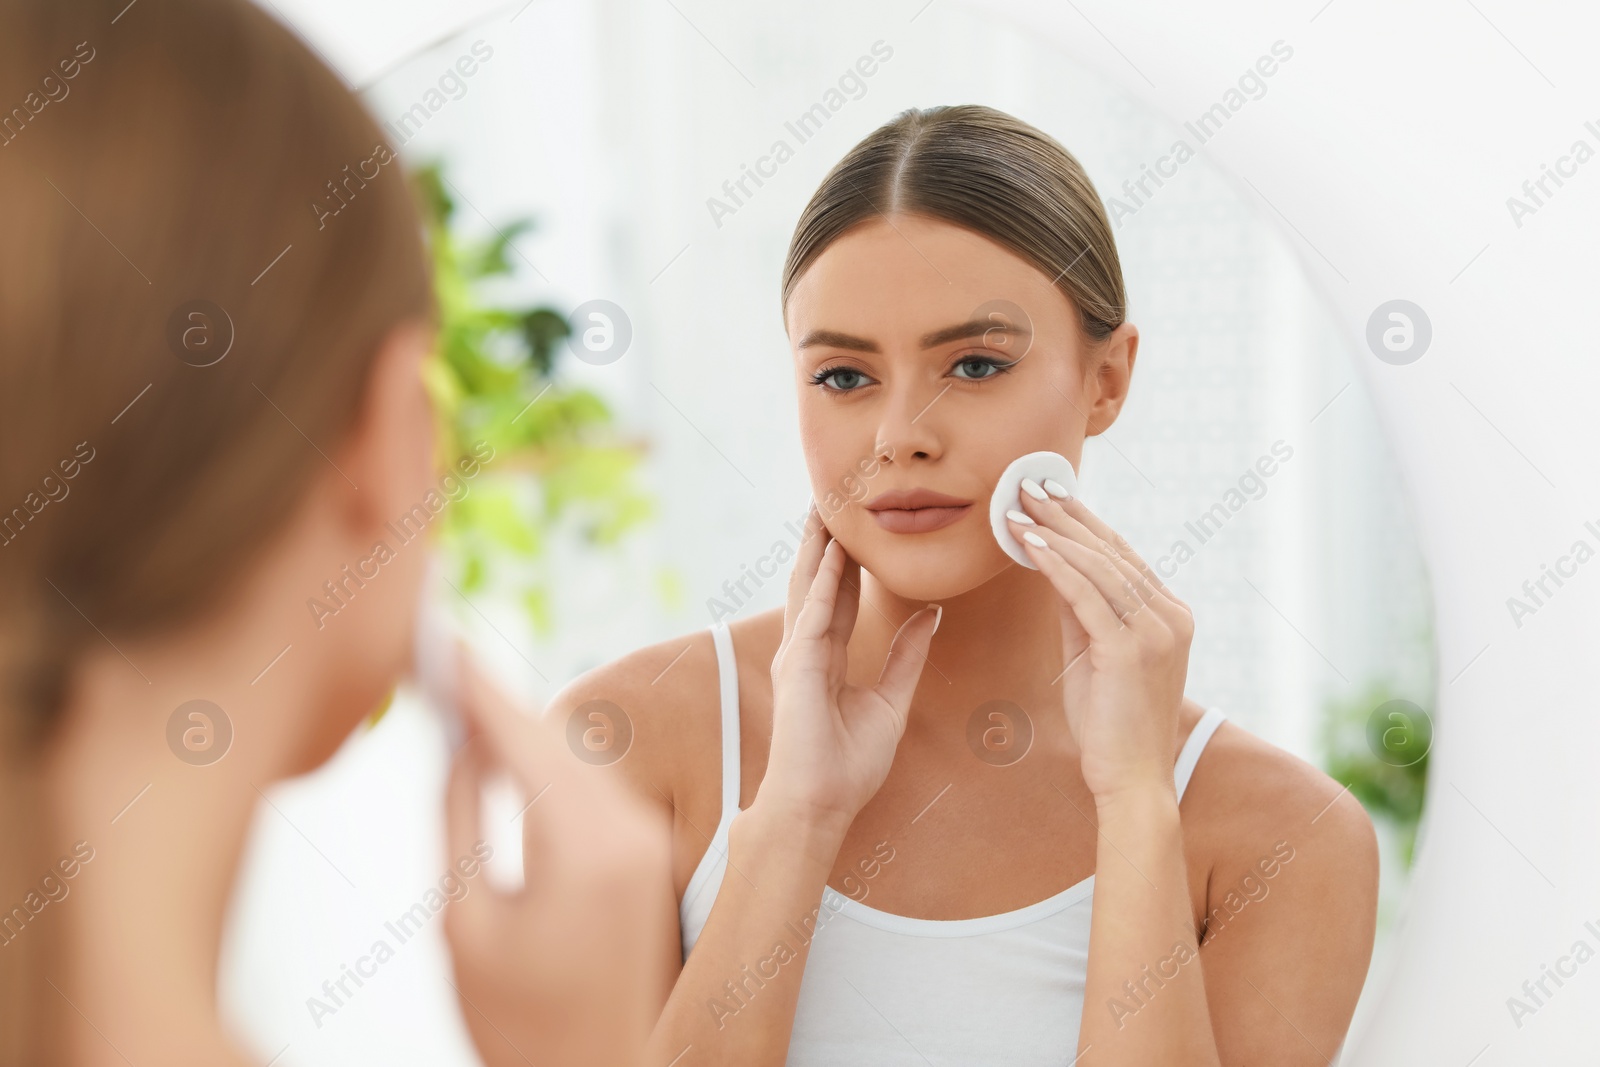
1124	641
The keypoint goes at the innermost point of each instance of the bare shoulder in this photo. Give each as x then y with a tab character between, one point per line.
1288	909
1250	801
651	714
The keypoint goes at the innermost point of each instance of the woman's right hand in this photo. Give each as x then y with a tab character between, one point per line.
833	742
553	973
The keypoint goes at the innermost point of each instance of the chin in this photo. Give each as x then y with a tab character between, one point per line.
927	567
359	693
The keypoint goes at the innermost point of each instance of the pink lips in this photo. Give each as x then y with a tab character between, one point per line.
916	510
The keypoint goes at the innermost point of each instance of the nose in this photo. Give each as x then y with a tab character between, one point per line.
909	426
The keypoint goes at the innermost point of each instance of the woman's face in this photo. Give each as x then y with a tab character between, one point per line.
927	358
389	454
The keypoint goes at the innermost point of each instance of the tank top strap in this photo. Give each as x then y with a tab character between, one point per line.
1196	743
728	687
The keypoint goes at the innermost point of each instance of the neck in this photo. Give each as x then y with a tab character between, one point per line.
1000	640
145	916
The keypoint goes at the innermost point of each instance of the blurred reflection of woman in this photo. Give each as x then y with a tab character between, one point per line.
1027	782
210	405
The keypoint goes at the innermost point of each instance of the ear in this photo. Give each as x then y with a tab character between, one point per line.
389	451
1111	376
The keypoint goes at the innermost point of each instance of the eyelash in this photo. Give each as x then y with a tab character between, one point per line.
1000	366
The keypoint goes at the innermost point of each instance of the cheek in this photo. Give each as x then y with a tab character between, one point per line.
1042	417
834	441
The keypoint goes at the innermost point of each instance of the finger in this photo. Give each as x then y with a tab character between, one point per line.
469	724
1053	516
1049	513
1157	598
813	541
488	712
1073	569
464	819
816	612
1057	514
541	827
1093	563
1119	545
908	653
1162	601
522	742
527	749
847	605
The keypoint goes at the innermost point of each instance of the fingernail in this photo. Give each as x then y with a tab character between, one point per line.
1020	518
938	613
1056	489
1031	487
1034	539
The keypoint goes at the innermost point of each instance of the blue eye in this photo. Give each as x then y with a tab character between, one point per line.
979	367
840	379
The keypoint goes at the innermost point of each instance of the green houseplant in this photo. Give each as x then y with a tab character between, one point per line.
559	458
1378	744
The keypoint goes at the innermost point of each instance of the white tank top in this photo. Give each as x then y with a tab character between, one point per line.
882	990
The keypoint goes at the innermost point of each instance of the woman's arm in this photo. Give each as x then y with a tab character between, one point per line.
1154	994
550	973
1291	904
1145	999
734	1001
832	744
1125	649
1291	911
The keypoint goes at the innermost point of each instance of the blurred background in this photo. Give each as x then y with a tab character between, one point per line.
584	159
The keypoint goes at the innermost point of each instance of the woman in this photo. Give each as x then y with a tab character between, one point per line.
996	755
210	405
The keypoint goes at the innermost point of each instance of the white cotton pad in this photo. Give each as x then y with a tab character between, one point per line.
1035	465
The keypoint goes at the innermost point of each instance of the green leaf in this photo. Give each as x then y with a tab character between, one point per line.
558	458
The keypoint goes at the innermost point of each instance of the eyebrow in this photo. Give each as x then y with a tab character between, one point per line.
958	332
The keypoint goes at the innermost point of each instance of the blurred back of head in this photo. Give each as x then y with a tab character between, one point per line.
202	239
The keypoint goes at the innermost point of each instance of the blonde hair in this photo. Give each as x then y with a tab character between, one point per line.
153	156
981	169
